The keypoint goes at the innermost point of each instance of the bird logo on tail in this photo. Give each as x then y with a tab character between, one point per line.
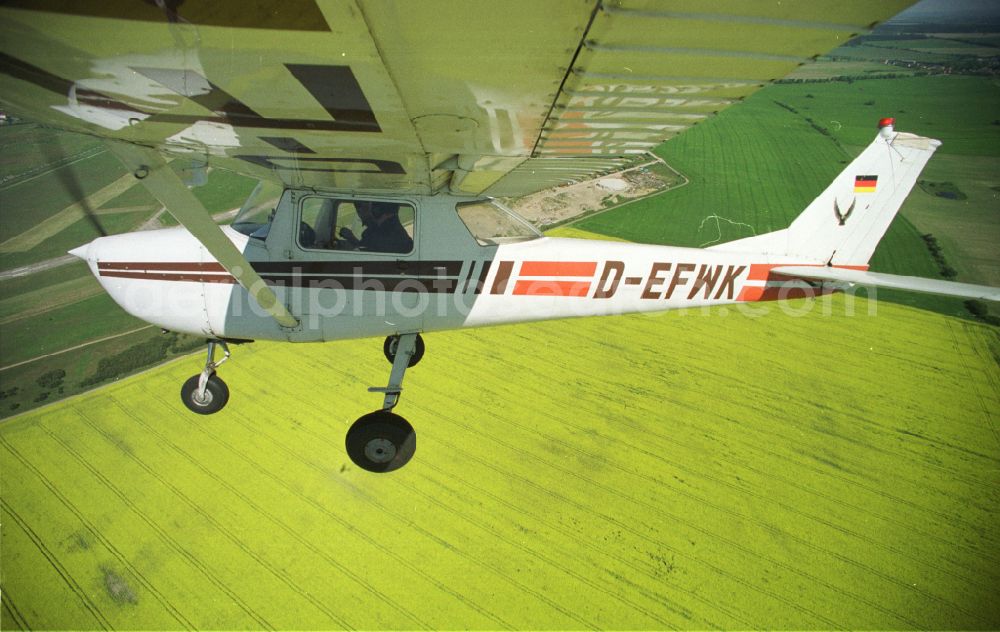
842	217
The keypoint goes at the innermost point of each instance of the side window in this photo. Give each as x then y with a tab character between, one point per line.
491	223
370	226
319	217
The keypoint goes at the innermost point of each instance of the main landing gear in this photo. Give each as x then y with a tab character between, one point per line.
383	441
206	393
380	441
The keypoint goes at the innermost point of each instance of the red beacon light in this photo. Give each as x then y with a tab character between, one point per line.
885	129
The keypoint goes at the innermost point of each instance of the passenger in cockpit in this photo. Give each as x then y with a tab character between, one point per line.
383	230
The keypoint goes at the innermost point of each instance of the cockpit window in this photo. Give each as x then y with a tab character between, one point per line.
365	225
254	219
492	223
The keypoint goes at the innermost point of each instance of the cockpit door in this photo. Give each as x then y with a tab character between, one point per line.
355	265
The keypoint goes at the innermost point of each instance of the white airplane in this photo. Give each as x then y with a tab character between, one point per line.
381	133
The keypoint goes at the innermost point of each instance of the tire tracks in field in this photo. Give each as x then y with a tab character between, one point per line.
180	550
991	378
758	523
106	543
339	520
560	369
279	574
53	561
670	516
431	499
748	403
12	612
860	347
752	387
670	439
262	511
406	521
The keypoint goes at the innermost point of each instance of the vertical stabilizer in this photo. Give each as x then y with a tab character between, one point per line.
845	223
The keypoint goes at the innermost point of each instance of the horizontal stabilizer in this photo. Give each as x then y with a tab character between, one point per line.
892	281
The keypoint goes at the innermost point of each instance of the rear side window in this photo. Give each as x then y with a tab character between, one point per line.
491	223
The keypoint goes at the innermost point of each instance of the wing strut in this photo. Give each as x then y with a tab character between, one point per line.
160	180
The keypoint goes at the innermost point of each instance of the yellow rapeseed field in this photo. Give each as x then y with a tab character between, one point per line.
687	470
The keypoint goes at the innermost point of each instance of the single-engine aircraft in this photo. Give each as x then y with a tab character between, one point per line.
382	132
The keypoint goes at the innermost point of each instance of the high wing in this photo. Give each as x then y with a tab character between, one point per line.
890	281
471	97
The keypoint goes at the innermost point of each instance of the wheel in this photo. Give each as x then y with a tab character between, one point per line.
389	349
216	395
381	441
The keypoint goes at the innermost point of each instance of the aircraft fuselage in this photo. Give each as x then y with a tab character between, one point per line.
449	278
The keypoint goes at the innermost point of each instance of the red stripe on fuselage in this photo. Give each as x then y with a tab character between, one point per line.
551	288
558	268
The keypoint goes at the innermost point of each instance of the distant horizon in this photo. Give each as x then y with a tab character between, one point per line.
985	14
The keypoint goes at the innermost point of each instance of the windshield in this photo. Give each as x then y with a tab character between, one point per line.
492	223
254	219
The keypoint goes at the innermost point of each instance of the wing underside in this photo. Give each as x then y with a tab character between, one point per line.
474	97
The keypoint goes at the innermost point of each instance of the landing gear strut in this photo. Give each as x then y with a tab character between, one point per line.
383	441
206	393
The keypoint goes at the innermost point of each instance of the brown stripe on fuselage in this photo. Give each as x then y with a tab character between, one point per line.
401	267
439	285
161	265
168	276
503	275
481	283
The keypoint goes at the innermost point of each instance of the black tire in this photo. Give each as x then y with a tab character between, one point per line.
381	441
392	342
216	395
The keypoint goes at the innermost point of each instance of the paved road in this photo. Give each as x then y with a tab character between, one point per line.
79	346
41	266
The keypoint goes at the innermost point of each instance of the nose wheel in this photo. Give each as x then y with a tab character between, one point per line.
211	400
206	393
392	344
383	441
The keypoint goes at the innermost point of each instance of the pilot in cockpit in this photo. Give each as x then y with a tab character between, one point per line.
383	230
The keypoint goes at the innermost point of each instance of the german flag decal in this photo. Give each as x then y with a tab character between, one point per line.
865	184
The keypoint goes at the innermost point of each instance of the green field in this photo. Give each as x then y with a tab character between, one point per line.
27	204
884	52
63	327
689	470
52	310
958	110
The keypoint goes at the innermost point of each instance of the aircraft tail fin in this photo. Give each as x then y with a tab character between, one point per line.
845	223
